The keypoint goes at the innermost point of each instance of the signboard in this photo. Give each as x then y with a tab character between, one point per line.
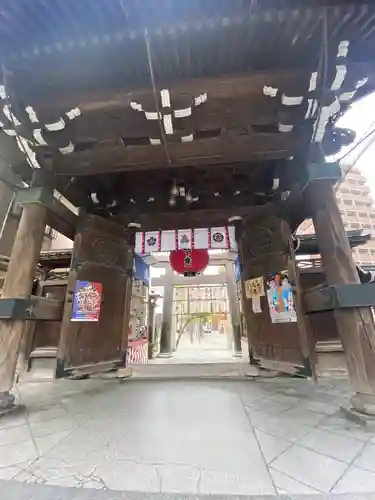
87	301
280	298
254	287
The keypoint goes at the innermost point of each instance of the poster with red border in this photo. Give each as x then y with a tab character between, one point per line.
87	301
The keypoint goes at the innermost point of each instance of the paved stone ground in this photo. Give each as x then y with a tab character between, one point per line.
24	491
281	436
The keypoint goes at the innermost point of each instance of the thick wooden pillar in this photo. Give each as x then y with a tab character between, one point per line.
233	308
18	284
166	327
356	326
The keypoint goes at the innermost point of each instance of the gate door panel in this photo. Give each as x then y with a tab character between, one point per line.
100	254
284	346
283	341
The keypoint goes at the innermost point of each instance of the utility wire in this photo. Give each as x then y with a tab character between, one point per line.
366	136
370	130
152	76
153	84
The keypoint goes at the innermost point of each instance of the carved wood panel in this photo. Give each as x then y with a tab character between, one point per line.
286	347
264	246
100	254
274	345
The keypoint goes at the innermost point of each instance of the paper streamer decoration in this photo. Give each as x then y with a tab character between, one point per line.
254	290
256	304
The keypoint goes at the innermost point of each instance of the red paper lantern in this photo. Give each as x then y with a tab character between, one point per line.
189	262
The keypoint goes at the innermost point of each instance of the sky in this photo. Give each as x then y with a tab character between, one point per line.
359	118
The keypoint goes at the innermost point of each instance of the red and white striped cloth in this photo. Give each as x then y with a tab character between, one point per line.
137	352
220	238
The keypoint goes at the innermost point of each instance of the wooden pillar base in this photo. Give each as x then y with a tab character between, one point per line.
10	337
363	403
6	402
356	325
164	355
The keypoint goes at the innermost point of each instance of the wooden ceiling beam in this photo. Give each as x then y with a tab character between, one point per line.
215	114
207	202
224	149
190	219
225	86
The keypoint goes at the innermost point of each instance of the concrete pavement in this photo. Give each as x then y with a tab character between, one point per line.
272	437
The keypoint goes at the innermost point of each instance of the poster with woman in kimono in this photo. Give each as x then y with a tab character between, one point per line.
280	298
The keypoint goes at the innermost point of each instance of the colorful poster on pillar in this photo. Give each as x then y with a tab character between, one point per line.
87	301
280	298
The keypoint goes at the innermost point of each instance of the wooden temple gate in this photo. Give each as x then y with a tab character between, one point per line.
162	117
272	345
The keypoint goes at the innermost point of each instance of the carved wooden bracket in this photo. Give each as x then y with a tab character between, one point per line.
264	246
59	217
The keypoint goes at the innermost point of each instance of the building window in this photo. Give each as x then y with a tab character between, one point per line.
348	202
50	233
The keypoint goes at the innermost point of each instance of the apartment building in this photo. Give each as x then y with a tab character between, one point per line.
358	212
